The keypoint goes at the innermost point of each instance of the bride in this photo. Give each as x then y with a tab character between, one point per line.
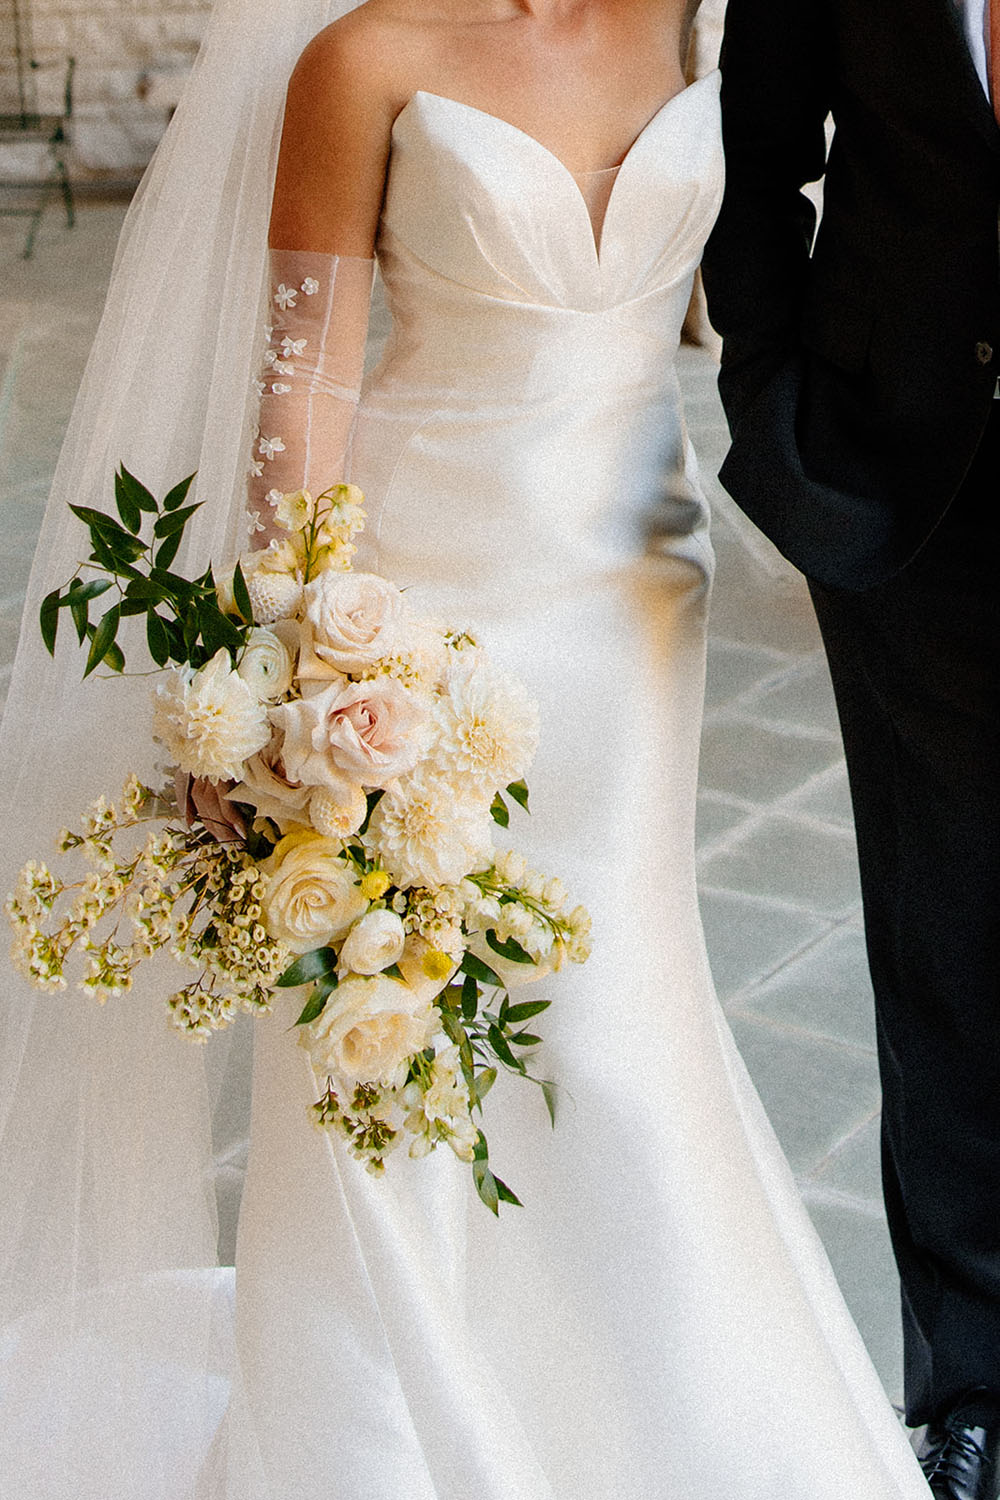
659	1320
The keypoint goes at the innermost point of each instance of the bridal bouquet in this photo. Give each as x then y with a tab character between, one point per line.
337	766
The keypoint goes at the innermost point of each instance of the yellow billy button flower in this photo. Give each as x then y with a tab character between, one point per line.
374	885
437	965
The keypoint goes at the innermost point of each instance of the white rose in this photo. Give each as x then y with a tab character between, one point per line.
210	720
312	896
368	1031
354	732
266	664
373	943
351	620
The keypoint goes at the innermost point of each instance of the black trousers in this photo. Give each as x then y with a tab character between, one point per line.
916	671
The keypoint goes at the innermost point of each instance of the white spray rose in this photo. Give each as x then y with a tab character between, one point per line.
312	896
210	721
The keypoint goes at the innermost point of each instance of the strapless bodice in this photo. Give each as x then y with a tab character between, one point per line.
486	237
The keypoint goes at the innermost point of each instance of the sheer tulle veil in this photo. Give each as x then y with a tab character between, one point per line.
115	1322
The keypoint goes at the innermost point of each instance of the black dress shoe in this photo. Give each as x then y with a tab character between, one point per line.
959	1459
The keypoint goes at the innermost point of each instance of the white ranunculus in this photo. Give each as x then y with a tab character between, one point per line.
312	896
210	721
426	835
266	664
487	725
351	621
373	943
360	732
368	1031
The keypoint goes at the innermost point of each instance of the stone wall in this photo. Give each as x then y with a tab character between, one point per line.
131	59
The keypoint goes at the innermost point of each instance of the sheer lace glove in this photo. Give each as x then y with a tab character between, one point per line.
311	377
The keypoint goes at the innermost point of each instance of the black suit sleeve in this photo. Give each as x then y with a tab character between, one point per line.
775	100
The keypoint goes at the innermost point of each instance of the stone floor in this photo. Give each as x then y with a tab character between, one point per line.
776	850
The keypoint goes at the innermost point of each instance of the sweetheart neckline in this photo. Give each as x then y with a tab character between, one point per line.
557	161
527	136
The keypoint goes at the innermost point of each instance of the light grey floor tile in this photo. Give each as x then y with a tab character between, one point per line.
753	761
815	1092
790	860
825	991
804	697
718	816
827	799
853	1168
735	669
859	1250
748	938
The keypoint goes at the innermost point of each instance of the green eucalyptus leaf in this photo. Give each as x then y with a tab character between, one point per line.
127	507
509	948
48	619
482	1084
519	791
102	640
173	584
157	639
92	590
178	494
486	1186
216	630
394	972
526	1010
114	658
470	997
174	521
78	608
499	1044
241	596
478	970
505	1194
500	812
167	550
525	1039
316	1004
320	963
550	1093
138	493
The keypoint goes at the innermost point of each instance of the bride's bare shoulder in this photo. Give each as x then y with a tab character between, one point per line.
374	49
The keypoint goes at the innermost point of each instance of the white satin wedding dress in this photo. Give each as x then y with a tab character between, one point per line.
659	1321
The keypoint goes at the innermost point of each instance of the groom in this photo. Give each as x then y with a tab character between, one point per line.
860	386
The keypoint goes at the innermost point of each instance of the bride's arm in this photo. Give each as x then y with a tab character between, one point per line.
327	198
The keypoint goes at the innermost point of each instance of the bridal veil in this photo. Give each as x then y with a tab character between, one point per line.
115	1325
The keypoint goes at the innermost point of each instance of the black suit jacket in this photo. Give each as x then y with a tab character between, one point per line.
858	379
